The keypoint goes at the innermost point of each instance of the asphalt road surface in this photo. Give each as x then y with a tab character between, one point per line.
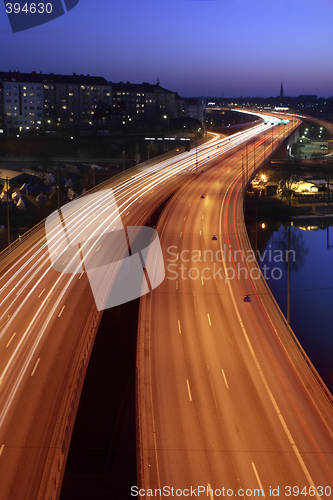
228	403
45	314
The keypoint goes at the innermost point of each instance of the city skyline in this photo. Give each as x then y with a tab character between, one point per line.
192	47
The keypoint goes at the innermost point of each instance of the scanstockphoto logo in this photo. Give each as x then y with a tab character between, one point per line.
225	264
122	263
25	15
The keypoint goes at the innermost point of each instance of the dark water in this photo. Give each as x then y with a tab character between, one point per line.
311	287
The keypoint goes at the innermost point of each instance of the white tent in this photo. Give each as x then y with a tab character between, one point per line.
71	194
20	204
69	184
41	198
25	188
16	196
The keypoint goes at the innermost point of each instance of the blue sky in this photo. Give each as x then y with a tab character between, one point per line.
195	47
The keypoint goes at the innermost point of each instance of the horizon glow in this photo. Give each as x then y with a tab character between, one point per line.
232	47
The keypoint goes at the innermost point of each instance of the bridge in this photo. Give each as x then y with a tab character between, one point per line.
280	414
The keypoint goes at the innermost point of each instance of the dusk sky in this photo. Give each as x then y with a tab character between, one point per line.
195	47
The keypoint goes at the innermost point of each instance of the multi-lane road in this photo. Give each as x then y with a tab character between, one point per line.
229	404
48	318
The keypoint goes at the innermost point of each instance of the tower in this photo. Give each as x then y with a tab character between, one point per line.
281	90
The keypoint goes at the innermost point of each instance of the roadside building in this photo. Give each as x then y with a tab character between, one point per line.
194	109
131	101
94	92
61	101
23	100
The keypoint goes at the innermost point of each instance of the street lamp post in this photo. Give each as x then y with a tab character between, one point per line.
8	228
166	117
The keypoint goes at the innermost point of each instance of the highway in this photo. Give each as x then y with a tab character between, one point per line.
48	318
226	396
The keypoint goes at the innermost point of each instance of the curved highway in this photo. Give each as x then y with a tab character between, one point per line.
228	403
48	319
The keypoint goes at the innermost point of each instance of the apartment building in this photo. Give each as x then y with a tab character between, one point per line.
92	91
49	101
57	102
22	100
61	101
131	101
192	107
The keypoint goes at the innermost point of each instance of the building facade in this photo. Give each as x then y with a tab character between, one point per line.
131	101
23	100
51	102
57	102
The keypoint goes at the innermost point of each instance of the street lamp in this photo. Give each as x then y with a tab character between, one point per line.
8	228
167	118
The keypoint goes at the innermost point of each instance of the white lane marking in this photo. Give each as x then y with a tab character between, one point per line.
41	293
185	217
140	201
98	248
35	367
202	216
81	275
180	234
86	236
188	388
128	213
209	321
176	285
190	204
258	479
202	280
179	327
210	492
65	261
200	232
63	307
11	339
1	449
225	378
